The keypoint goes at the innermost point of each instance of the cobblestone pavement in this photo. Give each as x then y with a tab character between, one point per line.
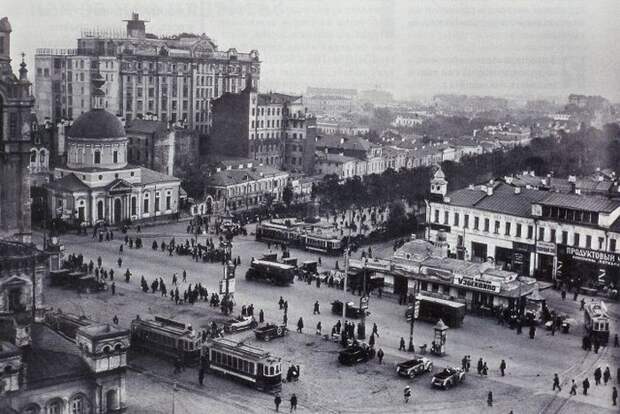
325	386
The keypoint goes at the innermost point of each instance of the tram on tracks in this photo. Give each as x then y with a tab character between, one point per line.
324	243
296	235
167	338
596	321
244	363
66	324
277	233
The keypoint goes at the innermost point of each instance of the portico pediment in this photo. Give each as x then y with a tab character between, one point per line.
119	186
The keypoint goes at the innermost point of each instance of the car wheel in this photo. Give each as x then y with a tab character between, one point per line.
412	375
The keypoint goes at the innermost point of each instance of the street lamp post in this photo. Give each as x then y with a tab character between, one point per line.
413	314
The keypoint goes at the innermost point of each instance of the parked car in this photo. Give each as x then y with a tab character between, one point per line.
270	330
447	378
354	354
240	323
352	310
414	367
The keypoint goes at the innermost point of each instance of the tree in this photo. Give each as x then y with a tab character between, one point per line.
287	194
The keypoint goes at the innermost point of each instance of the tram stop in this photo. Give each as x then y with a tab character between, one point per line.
439	342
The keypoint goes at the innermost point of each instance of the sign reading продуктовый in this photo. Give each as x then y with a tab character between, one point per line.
592	256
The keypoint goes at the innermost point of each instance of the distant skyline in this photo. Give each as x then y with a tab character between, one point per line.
414	49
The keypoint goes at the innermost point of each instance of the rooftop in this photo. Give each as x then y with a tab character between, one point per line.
354	143
581	202
275	98
237	176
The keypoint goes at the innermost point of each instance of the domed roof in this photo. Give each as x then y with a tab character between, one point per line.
97	124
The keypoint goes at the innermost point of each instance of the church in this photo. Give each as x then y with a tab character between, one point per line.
97	185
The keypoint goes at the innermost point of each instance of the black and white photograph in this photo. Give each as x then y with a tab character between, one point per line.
313	206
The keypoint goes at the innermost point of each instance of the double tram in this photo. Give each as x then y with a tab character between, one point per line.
242	362
167	338
66	324
596	321
278	233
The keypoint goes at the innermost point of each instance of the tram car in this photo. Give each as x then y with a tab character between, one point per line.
66	324
322	243
596	321
278	233
167	338
244	363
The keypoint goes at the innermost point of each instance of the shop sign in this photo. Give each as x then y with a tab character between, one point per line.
440	227
544	247
592	256
523	247
440	273
478	284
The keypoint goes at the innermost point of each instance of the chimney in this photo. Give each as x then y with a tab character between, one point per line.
577	190
517	190
532	173
471	187
490	190
572	179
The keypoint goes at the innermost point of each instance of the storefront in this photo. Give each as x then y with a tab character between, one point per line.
521	254
588	267
546	260
479	252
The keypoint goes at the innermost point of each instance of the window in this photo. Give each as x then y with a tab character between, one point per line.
507	229
466	221
133	206
576	240
115	156
541	233
54	407
77	405
446	218
476	223
486	224
588	242
436	216
146	205
612	245
518	230
601	243
497	226
564	237
168	201
553	236
156	202
530	232
456	219
97	157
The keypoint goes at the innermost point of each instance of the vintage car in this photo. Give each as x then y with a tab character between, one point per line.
270	330
352	310
447	378
414	367
354	354
240	323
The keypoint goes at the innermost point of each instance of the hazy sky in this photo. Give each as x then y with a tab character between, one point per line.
411	47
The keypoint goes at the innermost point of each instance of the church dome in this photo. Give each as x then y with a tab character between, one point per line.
97	124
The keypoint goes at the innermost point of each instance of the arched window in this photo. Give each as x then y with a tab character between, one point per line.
42	157
33	156
100	210
55	406
31	409
133	206
97	157
78	405
107	349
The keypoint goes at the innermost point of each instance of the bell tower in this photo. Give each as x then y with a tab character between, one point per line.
439	185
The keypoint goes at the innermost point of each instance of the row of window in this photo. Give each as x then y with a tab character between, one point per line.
544	234
261	111
232	362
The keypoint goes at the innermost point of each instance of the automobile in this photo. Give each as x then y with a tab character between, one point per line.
354	354
447	378
240	323
270	330
414	367
352	310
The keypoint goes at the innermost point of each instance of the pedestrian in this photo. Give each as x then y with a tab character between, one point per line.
120	249
380	356
115	320
371	340
614	396
597	376
606	375
201	376
464	363
184	276
575	295
318	328
563	294
402	344
586	385
556	383
261	316
293	403
573	388
120	262
317	310
113	288
407	393
532	332
490	399
485	369
502	367
300	325
281	303
479	366
277	401
375	329
582	304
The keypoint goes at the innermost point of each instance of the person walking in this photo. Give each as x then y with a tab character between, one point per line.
281	303
318	328
556	383
375	329
120	262
586	385
380	355
402	344
115	320
407	394
317	310
502	367
113	288
597	376
606	375
573	388
479	366
277	401
614	396
490	399
300	325
293	403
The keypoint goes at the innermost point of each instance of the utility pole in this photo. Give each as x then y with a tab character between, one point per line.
346	276
413	314
174	390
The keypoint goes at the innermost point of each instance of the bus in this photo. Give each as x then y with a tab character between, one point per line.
167	338
596	321
277	273
432	309
245	363
66	324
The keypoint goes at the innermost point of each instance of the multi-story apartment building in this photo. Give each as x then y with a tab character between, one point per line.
172	77
271	128
531	231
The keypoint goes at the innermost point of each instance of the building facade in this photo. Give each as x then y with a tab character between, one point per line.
16	103
172	77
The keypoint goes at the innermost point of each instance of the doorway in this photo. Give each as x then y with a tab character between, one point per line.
117	211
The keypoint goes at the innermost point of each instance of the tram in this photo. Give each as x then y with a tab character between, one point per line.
166	337
242	362
596	321
66	324
322	243
278	233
